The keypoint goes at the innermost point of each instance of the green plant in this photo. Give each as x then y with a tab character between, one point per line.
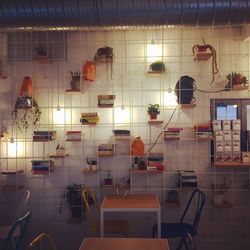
235	79
154	108
26	113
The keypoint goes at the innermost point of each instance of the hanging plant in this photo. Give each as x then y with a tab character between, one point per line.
26	112
105	55
25	116
204	48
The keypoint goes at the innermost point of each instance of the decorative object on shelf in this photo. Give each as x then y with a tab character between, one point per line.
153	111
88	71
155	162
187	178
75	82
172	133
40	55
89	118
44	135
106	150
92	164
108	181
42	166
105	101
157	67
236	81
204	52
73	135
184	90
121	132
203	131
31	113
105	55
137	147
60	150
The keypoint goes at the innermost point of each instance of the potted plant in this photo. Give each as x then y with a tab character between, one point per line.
108	180
153	111
218	192
26	113
73	198
60	150
235	79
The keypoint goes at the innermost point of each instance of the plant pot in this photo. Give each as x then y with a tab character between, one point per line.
76	212
108	182
153	116
75	85
218	199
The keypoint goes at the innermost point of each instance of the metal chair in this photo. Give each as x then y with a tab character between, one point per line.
110	226
188	242
182	228
20	225
41	240
4	230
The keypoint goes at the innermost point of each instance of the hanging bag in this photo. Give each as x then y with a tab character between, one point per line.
137	147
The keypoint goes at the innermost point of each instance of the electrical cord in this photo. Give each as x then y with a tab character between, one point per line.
169	120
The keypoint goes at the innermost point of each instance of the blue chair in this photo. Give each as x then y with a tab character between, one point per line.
20	225
181	229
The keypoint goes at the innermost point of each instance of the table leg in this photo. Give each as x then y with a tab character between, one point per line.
159	223
101	223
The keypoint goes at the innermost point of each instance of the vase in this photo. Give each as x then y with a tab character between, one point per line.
153	116
75	85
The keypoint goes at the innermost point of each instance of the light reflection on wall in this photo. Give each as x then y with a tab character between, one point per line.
154	52
170	99
122	115
16	149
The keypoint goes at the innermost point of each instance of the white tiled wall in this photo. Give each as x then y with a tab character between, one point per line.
135	90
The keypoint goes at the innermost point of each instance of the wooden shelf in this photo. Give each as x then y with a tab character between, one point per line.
122	137
232	164
89	171
202	56
12	172
171	139
58	156
73	91
105	155
73	140
239	87
188	105
152	122
105	105
146	171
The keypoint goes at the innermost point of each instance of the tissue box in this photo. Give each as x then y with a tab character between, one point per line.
245	157
228	146
236	157
236	124
226	124
227	157
216	125
219	147
236	146
219	157
219	135
227	135
236	135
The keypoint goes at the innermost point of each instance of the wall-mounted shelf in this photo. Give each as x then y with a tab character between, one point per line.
89	171
152	122
73	91
232	164
239	87
12	172
58	156
188	106
146	171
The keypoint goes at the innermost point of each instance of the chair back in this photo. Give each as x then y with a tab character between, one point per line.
198	198
22	225
42	238
87	194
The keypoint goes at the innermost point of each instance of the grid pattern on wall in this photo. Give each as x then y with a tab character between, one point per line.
134	88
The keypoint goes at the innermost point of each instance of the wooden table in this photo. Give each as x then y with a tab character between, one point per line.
124	244
130	203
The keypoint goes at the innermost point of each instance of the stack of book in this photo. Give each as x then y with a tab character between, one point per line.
155	163
203	131
106	101
73	135
187	179
42	166
44	135
121	132
89	118
172	133
106	150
